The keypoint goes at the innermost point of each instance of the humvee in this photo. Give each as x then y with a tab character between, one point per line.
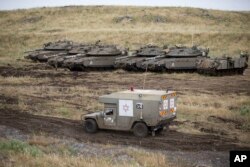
136	110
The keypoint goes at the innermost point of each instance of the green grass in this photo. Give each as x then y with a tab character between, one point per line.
16	146
244	110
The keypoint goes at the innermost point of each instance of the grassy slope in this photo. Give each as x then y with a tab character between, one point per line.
222	31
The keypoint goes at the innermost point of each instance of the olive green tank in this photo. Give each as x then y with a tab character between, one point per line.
97	58
176	59
50	49
224	65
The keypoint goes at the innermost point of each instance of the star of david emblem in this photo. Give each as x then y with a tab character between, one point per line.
125	107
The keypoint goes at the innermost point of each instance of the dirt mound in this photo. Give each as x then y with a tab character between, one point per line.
169	140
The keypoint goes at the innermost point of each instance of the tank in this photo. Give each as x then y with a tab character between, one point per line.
76	52
223	66
176	59
51	49
135	59
98	57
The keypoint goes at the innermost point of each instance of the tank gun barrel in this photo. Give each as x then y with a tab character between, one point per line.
29	51
120	58
156	57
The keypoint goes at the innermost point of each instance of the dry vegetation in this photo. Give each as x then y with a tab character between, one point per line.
223	32
24	154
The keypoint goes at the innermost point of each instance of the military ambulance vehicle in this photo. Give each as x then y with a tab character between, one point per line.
136	110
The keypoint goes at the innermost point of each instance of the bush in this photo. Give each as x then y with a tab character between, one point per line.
244	110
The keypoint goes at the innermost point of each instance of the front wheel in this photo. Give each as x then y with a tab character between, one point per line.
140	130
90	126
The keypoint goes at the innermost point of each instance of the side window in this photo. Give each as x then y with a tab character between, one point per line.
109	111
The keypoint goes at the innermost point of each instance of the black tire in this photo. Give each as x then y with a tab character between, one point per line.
140	129
90	126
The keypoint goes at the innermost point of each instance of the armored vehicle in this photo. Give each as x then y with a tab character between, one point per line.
77	51
177	59
134	61
224	65
98	57
140	111
50	49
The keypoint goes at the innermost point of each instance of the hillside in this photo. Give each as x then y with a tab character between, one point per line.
224	32
41	107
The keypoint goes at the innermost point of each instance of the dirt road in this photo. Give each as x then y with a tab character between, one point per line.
169	140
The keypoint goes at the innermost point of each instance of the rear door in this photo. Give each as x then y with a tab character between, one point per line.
168	105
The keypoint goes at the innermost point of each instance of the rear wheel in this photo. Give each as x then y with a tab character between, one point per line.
140	130
90	126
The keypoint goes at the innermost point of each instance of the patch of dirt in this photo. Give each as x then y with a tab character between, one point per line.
123	19
216	119
238	84
31	19
169	140
8	100
209	128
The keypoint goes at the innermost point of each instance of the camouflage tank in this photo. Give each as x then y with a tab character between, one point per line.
134	61
99	57
51	49
176	59
223	66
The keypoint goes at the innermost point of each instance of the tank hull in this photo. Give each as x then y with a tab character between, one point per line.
223	66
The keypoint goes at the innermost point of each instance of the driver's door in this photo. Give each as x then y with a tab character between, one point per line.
110	116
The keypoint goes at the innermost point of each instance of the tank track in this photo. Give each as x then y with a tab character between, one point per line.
225	72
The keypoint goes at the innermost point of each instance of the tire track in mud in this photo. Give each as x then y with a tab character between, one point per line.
61	127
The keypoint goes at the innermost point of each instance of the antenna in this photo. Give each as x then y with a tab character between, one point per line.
144	80
192	38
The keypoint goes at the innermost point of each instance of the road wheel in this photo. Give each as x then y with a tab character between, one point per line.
90	126
140	130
